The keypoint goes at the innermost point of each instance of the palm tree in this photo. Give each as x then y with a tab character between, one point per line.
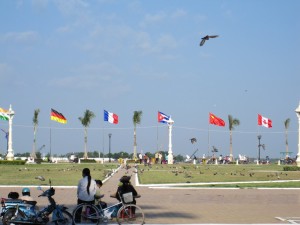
136	120
286	125
35	122
85	121
232	123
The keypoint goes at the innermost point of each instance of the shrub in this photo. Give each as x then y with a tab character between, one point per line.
291	168
13	162
87	161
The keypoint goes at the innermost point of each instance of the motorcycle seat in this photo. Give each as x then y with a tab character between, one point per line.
10	200
30	202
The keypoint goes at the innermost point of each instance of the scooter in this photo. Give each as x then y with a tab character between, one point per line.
25	213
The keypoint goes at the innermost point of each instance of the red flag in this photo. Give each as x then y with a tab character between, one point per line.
263	121
216	120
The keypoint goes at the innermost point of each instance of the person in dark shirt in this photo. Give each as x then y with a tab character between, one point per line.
125	187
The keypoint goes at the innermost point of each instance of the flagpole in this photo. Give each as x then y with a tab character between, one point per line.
208	137
50	138
103	139
50	153
157	136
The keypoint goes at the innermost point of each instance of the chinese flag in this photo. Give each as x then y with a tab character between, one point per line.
216	120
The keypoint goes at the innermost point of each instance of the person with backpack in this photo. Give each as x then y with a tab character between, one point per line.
126	187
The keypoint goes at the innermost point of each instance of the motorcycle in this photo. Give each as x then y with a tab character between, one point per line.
25	212
8	203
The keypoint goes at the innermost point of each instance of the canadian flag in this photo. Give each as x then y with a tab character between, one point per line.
263	121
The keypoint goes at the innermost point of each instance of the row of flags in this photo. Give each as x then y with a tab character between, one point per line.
261	121
161	118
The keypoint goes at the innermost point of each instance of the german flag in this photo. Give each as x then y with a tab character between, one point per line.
58	117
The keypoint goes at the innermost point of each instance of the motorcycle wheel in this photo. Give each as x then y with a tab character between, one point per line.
7	216
68	219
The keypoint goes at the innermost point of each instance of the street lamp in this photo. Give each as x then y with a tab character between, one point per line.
298	115
109	135
6	136
259	145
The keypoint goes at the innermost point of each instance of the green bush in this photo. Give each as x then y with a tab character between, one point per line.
291	168
87	161
13	162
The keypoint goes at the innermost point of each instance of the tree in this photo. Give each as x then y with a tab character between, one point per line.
137	115
35	122
232	123
85	121
286	125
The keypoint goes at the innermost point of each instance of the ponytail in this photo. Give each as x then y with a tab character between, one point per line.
89	184
86	173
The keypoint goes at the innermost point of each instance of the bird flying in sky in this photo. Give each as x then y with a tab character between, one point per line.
207	37
193	140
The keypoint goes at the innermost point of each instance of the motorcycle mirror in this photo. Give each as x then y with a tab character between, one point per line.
39	188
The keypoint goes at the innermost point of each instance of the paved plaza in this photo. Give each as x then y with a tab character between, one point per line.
163	205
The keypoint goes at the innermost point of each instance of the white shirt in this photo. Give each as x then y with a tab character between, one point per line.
82	193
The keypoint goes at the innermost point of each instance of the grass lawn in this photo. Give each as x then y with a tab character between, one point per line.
189	173
66	174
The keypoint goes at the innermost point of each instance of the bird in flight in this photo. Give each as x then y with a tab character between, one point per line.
193	140
207	37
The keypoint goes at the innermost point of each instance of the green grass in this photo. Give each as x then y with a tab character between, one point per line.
188	173
60	174
196	175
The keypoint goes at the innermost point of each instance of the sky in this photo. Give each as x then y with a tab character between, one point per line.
125	56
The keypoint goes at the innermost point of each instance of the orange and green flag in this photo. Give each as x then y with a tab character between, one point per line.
3	114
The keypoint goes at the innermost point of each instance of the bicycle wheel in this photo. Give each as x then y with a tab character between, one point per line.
86	214
66	220
130	214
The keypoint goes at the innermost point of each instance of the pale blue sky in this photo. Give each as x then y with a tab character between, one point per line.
122	56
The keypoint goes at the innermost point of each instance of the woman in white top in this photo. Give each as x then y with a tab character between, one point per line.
86	189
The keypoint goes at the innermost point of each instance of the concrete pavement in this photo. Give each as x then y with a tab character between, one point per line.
194	205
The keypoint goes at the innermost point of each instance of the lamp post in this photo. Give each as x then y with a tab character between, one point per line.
10	151
109	135
6	136
298	115
259	145
170	152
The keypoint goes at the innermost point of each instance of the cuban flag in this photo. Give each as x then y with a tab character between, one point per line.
163	118
111	117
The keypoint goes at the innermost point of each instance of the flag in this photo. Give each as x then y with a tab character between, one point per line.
111	117
163	118
58	117
3	114
263	121
216	120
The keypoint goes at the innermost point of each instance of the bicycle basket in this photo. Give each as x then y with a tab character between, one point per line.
127	197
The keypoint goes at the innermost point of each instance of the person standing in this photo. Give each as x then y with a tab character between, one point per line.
86	188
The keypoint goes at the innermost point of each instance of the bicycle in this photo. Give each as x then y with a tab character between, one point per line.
124	212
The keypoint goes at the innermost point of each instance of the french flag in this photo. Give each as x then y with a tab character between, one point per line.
111	117
162	118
